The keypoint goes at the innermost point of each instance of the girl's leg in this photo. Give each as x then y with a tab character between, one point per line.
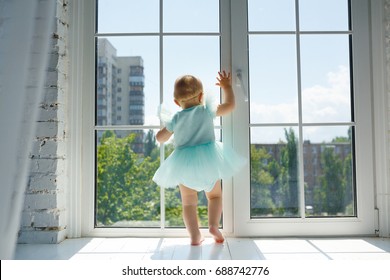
214	198
189	200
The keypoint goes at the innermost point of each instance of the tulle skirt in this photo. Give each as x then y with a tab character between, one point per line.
199	167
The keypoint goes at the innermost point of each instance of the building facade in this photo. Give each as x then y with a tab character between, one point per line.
120	85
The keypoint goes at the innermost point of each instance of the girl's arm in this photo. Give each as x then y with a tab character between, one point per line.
225	82
163	135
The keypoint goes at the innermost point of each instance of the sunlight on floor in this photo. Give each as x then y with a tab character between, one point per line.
232	249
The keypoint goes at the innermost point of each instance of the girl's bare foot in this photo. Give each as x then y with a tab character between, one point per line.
196	241
218	237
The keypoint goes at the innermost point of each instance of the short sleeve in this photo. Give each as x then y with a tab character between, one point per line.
170	125
211	104
166	117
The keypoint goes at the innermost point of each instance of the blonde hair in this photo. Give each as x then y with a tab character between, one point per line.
187	87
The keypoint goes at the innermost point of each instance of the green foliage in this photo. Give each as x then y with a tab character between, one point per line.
261	182
126	194
334	196
290	162
274	180
125	191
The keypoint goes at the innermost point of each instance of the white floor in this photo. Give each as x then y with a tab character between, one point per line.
233	249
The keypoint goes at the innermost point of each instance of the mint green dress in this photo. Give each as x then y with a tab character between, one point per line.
198	160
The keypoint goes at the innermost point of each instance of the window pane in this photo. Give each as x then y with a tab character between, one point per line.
127	16
198	56
328	169
274	172
273	79
326	88
323	15
275	15
127	81
126	196
191	16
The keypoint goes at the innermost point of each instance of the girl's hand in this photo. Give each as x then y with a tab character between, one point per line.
228	104
224	80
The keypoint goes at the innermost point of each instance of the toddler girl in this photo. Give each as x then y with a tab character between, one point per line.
198	162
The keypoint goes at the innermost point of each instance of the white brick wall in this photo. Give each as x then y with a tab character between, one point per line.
44	214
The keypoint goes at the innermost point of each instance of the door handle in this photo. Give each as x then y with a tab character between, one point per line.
240	84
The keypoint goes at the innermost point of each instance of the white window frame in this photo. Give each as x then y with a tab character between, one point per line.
81	129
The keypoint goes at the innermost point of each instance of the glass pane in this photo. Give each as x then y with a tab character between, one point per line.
127	16
328	168
323	15
326	86
126	196
191	16
276	15
273	79
198	56
127	81
274	172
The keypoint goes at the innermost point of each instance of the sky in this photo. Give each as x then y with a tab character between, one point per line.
273	65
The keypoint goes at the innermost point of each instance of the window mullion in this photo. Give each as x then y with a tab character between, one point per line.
162	147
300	127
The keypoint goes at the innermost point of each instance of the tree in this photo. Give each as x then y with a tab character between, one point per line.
332	183
126	194
335	193
125	191
349	188
290	162
261	183
150	146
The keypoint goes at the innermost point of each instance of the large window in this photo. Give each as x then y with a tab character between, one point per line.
301	78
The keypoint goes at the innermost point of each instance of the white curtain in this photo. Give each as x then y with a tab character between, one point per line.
25	30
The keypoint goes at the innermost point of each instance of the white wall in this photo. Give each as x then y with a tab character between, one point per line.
44	213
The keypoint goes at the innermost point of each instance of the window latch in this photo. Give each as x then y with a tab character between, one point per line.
240	84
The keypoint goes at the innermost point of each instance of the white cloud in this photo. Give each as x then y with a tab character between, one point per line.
320	104
282	113
329	103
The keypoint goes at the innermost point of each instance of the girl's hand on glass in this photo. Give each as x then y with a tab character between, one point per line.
224	79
